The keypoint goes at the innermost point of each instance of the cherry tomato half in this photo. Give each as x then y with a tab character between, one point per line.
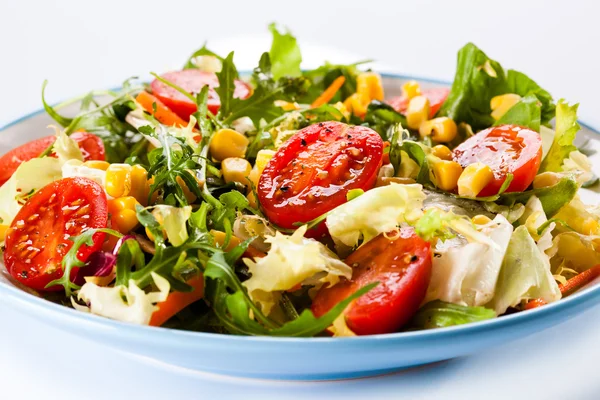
91	147
401	263
193	80
436	99
312	172
505	149
38	238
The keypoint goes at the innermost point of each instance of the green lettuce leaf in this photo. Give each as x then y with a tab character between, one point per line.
527	112
285	54
439	314
562	145
525	274
521	84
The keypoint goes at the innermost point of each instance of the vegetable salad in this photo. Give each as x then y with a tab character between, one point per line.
293	202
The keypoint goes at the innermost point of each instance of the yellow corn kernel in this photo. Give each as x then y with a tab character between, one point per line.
253	177
219	238
102	165
126	220
122	203
545	179
501	104
357	104
159	219
369	86
417	111
118	180
473	179
262	159
228	143
3	231
411	89
441	129
286	105
442	152
139	184
189	195
480	220
446	174
236	169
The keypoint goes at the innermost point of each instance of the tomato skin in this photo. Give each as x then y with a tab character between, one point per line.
505	149
436	99
38	237
312	172
401	265
92	148
193	80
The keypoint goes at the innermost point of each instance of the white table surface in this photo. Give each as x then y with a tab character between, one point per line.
80	45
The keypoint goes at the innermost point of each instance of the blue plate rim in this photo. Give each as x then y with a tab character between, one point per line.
139	332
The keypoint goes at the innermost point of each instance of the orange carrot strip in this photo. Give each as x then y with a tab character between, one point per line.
163	114
328	94
177	301
573	284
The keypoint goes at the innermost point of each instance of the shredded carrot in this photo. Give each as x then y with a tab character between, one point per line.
328	94
177	301
163	114
573	284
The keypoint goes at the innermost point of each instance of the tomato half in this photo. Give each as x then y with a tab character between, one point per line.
505	149
193	80
436	99
312	172
91	147
38	238
401	263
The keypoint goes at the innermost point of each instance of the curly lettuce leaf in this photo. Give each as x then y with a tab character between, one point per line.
525	274
439	314
376	211
562	145
285	54
174	221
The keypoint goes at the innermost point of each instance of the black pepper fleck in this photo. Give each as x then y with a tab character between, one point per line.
303	142
285	188
414	258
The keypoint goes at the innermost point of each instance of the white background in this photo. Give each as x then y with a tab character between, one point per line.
79	45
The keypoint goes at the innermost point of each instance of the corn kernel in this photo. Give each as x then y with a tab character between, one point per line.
501	104
480	220
102	165
441	129
236	169
357	104
442	152
545	179
417	111
411	89
122	203
159	219
3	231
445	173
126	220
139	184
118	180
219	238
262	159
286	105
228	143
189	195
473	179
369	86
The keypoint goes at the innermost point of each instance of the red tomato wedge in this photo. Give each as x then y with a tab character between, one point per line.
401	263
38	238
193	80
312	172
506	149
91	147
436	99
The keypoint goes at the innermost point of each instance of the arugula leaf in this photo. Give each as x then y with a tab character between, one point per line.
149	222
70	260
203	51
439	314
226	88
527	112
521	84
562	145
63	121
285	54
130	254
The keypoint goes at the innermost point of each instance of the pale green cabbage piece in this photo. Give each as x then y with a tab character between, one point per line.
123	303
66	148
525	274
291	260
376	211
174	222
466	273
